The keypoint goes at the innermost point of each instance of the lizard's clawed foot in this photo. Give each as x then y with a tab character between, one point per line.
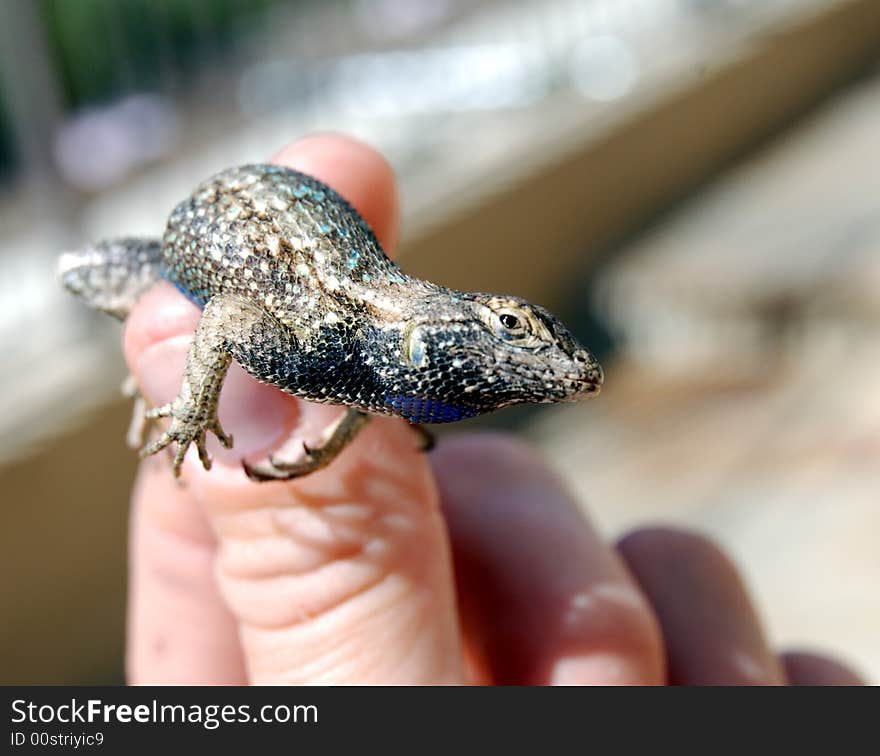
312	459
338	436
188	426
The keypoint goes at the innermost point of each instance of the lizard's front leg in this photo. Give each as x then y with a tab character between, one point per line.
227	323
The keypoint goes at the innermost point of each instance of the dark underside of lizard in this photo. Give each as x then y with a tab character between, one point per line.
294	286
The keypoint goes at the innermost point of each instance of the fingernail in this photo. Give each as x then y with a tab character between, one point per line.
598	669
256	416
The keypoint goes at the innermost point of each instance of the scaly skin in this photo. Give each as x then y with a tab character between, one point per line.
295	287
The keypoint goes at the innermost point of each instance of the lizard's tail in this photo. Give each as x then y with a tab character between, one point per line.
112	275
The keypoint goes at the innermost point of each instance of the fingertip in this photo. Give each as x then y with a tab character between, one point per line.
654	542
543	599
808	668
162	313
712	631
354	169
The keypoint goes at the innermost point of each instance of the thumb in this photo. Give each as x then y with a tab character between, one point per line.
342	576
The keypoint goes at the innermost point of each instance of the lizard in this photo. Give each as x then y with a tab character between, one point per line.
294	286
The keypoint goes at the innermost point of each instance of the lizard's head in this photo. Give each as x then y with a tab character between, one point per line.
475	353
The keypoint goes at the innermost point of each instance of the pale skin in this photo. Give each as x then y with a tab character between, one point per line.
471	564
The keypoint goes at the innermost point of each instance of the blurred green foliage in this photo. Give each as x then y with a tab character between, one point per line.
5	143
104	48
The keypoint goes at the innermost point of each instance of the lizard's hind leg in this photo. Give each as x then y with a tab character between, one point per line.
228	324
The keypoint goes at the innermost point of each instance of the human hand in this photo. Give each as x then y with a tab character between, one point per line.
472	564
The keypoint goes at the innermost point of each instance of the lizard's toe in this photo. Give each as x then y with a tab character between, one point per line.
166	410
203	452
262	474
224	438
156	446
312	459
178	458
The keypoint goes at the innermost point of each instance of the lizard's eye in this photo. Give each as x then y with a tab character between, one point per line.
513	324
510	322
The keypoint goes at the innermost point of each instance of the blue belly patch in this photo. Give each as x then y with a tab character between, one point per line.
199	298
422	410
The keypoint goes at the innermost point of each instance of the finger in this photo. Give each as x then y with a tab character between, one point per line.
543	600
805	668
180	631
344	575
711	630
172	548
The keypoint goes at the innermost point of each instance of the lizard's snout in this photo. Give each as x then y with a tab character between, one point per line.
595	378
591	374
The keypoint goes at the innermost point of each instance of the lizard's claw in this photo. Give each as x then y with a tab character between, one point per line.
187	427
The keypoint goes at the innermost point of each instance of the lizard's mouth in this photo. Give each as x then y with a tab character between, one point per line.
588	382
595	378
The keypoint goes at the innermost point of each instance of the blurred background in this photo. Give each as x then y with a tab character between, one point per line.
694	185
